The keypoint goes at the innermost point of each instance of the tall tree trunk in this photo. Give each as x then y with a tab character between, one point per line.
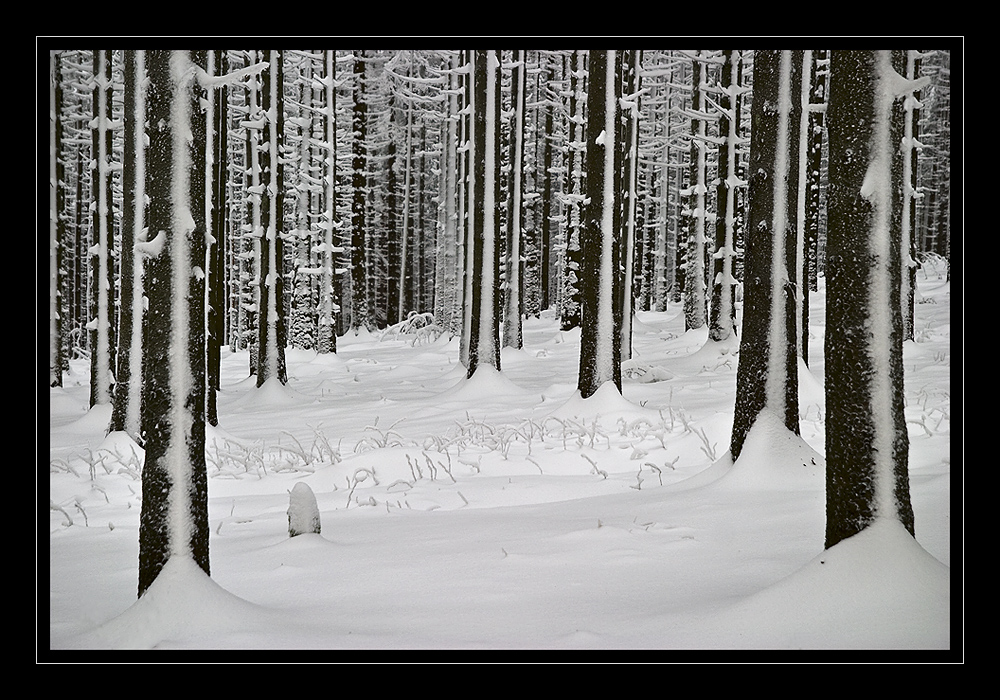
174	517
515	211
270	324
484	342
817	108
359	183
102	340
467	195
723	316
767	376
217	218
867	447
695	310
326	324
576	152
56	232
600	344
126	414
629	147
802	195
910	151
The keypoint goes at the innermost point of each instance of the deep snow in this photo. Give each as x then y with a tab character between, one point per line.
504	512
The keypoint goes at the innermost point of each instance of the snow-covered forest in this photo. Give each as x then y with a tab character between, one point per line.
499	350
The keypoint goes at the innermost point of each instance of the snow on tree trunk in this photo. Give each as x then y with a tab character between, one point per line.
515	213
630	147
801	199
484	341
326	330
447	298
866	438
767	376
570	317
695	311
56	186
270	325
128	391
216	217
102	342
600	345
174	516
359	183
909	147
467	185
723	316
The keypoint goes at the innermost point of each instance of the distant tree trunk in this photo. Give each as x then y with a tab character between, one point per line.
174	517
217	215
467	194
817	108
270	324
515	211
910	151
767	376
326	324
600	344
866	438
574	199
629	149
545	173
695	309
253	127
722	323
126	415
801	278
484	342
402	275
102	340
448	296
56	185
359	183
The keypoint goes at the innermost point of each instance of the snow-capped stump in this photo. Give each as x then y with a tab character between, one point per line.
303	513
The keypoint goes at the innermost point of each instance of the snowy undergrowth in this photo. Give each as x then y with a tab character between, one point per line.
505	512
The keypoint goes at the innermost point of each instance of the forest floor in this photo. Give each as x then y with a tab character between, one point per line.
504	513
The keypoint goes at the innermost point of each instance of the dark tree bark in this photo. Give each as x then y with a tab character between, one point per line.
570	317
219	213
270	323
628	155
125	416
484	341
101	325
722	320
56	226
767	376
359	183
867	447
600	341
817	105
326	335
174	517
695	307
513	306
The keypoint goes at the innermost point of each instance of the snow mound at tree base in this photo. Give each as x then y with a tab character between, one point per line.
606	406
182	604
876	590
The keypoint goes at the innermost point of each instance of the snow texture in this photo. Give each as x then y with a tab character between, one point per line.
503	512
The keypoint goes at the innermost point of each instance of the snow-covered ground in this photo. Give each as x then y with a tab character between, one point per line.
504	513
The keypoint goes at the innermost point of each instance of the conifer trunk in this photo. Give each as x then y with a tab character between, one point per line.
867	446
600	343
767	376
174	517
